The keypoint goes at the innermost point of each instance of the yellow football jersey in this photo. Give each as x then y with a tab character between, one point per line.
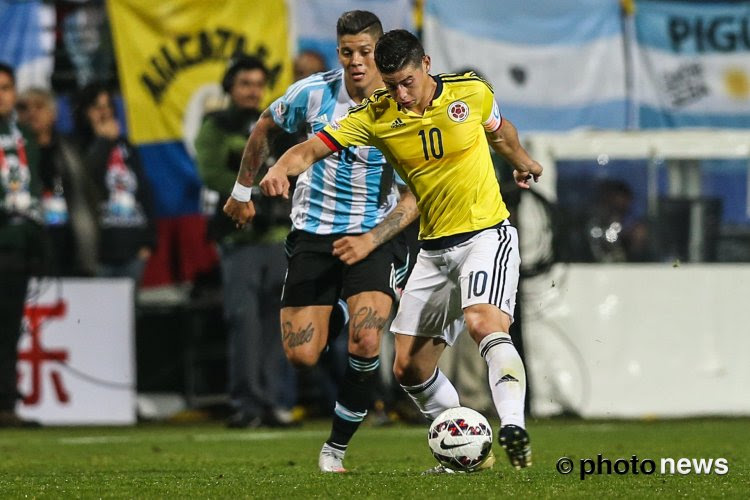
443	155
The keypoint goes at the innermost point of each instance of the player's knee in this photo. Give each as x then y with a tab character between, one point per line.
406	373
478	330
474	321
302	358
486	320
367	345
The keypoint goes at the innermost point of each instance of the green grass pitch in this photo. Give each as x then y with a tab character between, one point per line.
209	461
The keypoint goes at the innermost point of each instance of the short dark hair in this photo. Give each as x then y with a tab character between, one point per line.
396	50
88	95
242	63
8	70
355	22
469	69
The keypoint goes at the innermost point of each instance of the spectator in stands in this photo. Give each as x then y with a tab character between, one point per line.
253	262
127	232
609	230
20	238
68	203
308	62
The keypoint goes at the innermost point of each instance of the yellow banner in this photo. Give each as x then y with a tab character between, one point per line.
169	53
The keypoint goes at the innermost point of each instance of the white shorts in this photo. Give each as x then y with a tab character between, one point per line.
481	270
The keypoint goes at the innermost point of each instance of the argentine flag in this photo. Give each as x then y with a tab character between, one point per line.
692	64
315	21
27	41
555	65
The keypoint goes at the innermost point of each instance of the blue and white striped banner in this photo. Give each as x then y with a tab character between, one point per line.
692	64
27	41
315	21
555	65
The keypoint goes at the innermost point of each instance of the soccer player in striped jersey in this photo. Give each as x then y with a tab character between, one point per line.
436	131
345	211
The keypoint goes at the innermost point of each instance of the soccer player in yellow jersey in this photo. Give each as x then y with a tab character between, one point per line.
436	131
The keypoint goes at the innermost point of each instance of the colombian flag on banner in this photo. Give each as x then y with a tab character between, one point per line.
170	55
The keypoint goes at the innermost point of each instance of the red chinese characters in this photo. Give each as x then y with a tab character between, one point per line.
36	355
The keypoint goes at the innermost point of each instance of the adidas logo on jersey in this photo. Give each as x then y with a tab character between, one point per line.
506	378
397	123
321	119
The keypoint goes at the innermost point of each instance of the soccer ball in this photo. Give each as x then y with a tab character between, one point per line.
460	438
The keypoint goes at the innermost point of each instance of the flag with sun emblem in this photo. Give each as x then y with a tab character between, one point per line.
555	65
691	64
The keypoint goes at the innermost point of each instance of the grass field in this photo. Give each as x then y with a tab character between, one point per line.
208	461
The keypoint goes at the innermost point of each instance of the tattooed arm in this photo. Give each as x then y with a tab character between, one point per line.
254	156
352	249
257	148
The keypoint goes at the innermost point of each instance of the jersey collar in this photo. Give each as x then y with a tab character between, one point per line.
438	93
438	88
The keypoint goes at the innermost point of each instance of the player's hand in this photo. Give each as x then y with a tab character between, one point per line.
352	249
275	183
241	212
522	178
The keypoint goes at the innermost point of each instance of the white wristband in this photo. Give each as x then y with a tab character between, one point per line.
241	193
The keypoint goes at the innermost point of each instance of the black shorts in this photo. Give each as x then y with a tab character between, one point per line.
316	277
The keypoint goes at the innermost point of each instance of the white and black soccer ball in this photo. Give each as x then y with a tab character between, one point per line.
460	438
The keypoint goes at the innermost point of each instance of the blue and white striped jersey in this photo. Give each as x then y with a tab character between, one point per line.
341	193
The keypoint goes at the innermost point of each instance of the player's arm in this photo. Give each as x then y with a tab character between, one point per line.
504	140
296	160
348	131
352	249
257	148
256	152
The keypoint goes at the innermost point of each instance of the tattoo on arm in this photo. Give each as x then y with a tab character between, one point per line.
404	214
366	318
294	339
257	150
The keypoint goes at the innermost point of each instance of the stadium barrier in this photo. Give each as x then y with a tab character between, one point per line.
623	340
77	354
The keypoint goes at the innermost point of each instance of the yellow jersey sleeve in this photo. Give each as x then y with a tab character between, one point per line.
352	129
491	117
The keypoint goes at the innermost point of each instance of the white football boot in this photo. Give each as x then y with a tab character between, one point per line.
330	459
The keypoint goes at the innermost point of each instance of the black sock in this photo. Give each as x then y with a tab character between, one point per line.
354	399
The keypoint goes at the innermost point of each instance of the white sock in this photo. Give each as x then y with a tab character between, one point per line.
507	377
434	396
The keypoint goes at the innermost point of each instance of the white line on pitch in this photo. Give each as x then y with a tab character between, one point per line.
229	436
216	437
97	440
